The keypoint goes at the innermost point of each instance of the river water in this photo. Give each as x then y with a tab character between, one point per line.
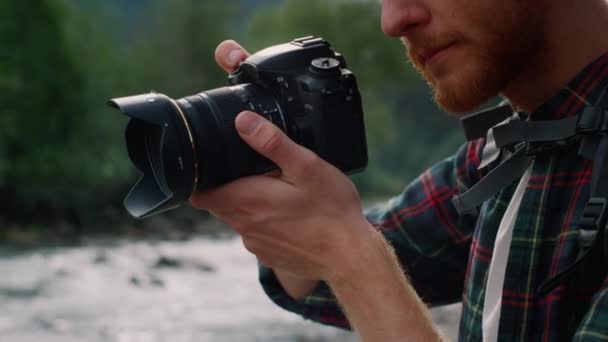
199	290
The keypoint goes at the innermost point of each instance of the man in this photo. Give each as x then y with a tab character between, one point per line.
547	57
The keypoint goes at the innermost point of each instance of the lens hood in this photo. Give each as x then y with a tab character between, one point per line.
161	146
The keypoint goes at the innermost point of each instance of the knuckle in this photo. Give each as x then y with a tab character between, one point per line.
309	167
272	139
309	162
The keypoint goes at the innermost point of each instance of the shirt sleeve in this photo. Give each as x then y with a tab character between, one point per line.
430	239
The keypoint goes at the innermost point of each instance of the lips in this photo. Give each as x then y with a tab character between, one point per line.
427	54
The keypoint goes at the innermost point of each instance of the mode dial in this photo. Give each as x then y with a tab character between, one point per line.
325	66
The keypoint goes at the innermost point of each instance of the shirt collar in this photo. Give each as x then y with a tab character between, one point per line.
584	89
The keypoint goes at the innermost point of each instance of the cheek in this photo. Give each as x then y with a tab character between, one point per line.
508	24
496	43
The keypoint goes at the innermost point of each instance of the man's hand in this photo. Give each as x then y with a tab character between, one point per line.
306	222
229	55
301	220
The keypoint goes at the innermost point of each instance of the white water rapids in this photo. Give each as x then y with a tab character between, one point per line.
199	290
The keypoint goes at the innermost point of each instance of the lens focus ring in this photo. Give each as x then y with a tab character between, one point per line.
228	104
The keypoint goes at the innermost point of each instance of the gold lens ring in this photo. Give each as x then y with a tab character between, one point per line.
181	115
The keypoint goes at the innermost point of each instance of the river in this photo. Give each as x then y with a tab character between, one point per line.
126	291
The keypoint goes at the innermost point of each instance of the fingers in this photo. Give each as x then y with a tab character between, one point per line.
267	139
276	173
229	54
246	193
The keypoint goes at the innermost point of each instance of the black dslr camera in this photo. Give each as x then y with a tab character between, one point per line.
191	144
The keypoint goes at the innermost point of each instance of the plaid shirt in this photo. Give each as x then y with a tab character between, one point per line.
447	256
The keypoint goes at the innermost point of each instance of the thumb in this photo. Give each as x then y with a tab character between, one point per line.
268	140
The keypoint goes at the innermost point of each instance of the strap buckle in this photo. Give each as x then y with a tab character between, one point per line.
594	214
592	120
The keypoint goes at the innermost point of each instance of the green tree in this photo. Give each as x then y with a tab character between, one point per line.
42	104
175	46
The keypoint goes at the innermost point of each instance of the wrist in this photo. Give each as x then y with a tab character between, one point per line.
376	296
361	251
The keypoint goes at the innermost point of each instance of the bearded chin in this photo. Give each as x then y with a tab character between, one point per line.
469	87
485	75
465	94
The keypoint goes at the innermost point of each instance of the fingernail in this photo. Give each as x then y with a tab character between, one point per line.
233	57
247	122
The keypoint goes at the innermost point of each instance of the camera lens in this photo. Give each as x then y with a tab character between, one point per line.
191	144
221	153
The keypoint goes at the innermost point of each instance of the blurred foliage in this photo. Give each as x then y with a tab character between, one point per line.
175	46
61	149
43	111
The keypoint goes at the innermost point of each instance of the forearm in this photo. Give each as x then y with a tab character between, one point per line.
379	301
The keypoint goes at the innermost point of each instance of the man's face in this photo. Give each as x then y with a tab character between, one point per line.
467	50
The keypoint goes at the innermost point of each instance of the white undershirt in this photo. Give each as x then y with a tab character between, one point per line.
498	265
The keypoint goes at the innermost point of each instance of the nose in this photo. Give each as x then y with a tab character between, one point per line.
402	16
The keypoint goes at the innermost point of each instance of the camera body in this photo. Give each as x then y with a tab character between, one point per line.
191	144
318	96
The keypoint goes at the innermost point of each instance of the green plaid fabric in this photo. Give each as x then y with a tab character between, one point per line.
447	256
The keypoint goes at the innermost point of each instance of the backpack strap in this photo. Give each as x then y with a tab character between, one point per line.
593	231
498	178
593	234
536	131
529	138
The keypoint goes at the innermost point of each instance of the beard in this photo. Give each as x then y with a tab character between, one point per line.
491	59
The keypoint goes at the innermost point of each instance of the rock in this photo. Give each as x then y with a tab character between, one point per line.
205	268
148	280
25	293
134	280
101	257
62	273
167	262
156	281
172	262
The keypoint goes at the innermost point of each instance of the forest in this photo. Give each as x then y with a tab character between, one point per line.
64	169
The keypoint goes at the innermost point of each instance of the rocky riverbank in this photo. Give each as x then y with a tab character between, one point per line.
177	225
